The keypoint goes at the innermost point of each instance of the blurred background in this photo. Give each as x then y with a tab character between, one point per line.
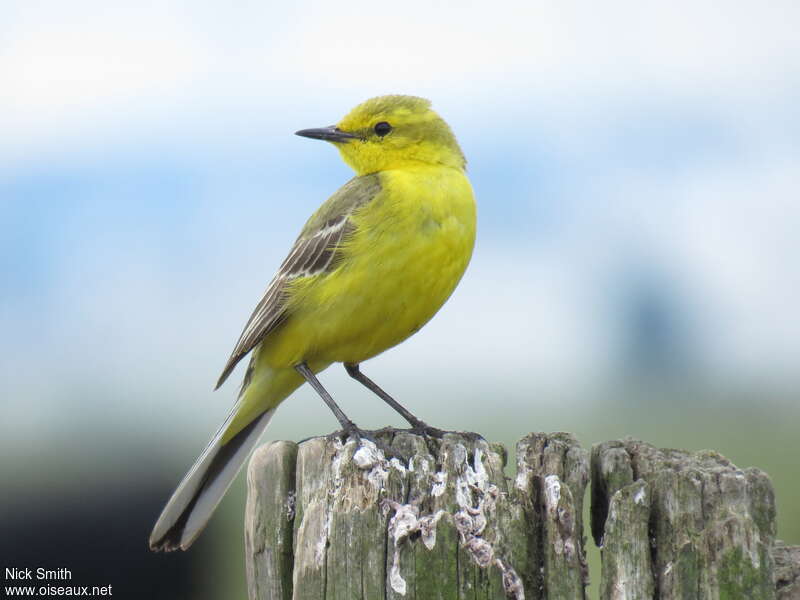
637	168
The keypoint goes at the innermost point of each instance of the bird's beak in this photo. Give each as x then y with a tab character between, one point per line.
329	134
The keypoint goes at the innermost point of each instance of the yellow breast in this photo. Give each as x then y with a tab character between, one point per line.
409	249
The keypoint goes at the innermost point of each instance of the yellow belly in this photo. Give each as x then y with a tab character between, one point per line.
410	248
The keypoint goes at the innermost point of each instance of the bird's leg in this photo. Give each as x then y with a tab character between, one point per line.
348	427
417	425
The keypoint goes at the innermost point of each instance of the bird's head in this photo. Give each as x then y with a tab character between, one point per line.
391	132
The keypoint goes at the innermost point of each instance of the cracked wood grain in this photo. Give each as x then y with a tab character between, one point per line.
710	526
440	520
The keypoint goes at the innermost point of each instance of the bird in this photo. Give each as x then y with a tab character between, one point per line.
370	267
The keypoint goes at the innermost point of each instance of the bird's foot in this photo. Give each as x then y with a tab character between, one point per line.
423	429
350	430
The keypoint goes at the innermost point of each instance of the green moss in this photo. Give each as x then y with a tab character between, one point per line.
739	579
687	567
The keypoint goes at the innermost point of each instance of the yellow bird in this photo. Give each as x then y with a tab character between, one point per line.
371	266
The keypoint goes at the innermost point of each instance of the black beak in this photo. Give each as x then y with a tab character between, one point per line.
329	134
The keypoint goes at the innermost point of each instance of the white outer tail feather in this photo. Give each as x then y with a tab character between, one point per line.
200	498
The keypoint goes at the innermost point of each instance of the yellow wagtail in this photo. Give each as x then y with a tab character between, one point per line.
371	266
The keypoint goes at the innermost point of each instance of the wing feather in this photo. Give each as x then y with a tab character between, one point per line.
314	252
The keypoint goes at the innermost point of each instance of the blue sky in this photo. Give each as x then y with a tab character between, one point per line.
150	182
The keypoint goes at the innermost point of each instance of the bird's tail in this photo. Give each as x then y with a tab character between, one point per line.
203	487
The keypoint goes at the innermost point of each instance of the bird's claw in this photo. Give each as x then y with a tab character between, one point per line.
426	431
352	431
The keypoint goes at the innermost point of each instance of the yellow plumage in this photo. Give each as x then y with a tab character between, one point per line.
409	248
370	268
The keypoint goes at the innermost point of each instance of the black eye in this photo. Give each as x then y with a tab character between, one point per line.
382	128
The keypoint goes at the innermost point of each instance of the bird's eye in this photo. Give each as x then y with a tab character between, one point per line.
382	128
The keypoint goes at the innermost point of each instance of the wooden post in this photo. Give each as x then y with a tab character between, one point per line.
327	520
787	571
685	525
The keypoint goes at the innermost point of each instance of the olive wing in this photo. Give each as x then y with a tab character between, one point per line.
313	252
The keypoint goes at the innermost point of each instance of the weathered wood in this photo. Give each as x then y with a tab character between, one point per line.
552	473
439	520
626	569
787	571
270	510
710	527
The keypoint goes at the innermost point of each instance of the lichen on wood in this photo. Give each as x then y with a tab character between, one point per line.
438	520
787	571
552	473
710	525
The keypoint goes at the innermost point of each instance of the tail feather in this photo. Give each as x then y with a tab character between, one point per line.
203	487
